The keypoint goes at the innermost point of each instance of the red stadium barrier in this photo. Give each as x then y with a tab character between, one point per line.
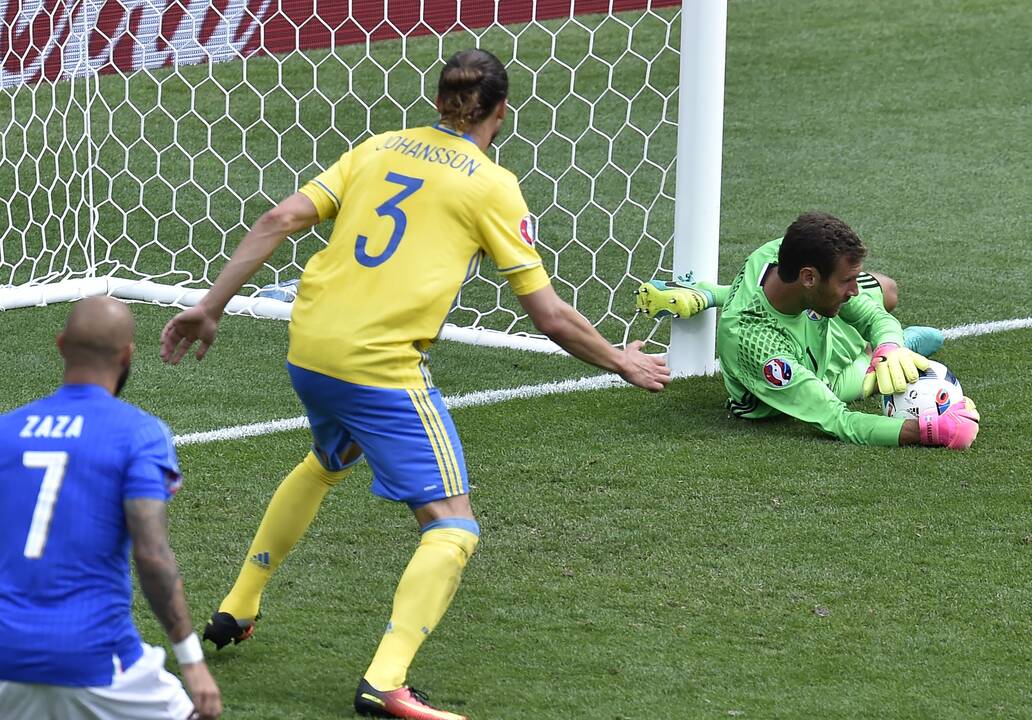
58	39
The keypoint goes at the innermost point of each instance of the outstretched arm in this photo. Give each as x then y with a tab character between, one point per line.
163	587
766	365
200	323
572	332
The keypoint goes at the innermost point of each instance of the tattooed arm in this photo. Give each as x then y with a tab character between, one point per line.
156	566
163	587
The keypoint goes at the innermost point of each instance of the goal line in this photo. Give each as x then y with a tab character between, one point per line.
561	387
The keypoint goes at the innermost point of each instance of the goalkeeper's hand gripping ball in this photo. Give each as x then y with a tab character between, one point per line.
891	368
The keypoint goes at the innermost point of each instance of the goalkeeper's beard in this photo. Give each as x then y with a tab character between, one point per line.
831	310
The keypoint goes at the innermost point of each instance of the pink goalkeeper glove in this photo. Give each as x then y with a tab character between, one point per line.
955	429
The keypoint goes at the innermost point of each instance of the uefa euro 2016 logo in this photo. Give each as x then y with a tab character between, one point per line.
778	372
528	231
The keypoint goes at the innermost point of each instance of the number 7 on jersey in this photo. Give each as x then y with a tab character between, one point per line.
54	465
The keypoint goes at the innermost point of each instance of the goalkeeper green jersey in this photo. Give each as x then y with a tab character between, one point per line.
802	365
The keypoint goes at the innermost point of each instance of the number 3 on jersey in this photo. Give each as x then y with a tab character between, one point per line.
389	209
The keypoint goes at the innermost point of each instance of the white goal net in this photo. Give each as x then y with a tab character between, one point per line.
141	138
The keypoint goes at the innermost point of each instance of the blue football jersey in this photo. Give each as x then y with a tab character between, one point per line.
67	463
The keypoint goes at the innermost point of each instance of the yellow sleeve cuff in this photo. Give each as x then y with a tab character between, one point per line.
524	282
325	203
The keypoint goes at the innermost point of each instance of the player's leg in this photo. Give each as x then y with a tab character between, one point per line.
921	339
144	691
286	520
850	353
681	297
849	383
421	464
884	286
423	595
290	511
23	700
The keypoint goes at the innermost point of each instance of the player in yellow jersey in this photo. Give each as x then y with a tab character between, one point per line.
414	212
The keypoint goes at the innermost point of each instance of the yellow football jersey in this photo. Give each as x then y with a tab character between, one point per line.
415	212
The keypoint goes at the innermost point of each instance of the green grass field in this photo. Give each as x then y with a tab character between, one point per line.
646	556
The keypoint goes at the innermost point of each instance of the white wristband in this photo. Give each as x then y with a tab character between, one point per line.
188	650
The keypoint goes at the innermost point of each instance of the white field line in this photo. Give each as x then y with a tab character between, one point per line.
987	328
483	397
492	397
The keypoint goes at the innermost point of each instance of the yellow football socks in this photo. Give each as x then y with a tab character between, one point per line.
424	593
287	518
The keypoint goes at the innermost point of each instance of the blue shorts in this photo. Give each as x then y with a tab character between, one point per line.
407	435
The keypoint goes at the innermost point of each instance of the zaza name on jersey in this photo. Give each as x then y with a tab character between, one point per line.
52	426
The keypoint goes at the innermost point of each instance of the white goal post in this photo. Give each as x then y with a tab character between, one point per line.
142	137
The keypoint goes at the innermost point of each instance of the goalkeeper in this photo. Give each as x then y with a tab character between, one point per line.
793	338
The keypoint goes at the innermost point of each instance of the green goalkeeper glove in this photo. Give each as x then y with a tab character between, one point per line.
891	368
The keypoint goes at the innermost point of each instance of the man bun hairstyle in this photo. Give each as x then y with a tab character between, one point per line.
472	83
818	240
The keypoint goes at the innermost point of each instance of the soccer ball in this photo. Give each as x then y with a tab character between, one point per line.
284	291
936	387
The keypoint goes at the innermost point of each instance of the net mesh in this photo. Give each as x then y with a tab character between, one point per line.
156	172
